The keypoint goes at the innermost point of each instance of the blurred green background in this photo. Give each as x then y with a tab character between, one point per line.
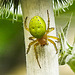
11	44
12	58
61	21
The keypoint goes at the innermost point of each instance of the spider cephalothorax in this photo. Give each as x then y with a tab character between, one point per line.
37	28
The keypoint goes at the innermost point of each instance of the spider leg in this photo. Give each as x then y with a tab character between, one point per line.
32	38
54	37
54	45
48	19
36	53
30	44
49	30
25	26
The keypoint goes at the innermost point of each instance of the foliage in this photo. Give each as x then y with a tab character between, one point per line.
11	44
66	51
60	5
6	6
70	59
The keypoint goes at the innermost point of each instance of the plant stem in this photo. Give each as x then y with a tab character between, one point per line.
46	55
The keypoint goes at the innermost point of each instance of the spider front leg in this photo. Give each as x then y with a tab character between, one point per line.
25	26
48	19
36	53
30	44
54	45
49	29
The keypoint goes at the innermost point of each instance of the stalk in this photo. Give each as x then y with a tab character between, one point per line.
46	55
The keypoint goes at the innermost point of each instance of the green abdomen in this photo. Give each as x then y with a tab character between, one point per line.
37	27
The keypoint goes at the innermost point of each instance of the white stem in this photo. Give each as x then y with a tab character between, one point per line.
46	55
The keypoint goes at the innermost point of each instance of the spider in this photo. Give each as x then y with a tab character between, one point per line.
37	28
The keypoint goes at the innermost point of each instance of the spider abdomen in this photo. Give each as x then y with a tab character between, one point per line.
37	27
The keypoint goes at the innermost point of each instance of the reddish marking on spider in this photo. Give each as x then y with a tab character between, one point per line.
43	40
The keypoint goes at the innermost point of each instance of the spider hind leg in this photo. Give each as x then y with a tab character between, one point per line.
36	53
30	44
53	44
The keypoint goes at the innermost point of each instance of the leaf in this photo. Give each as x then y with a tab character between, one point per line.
61	5
70	59
65	47
65	30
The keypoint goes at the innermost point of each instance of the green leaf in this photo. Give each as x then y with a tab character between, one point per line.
70	59
65	30
65	48
61	5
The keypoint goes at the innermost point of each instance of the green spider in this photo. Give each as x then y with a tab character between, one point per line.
37	28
